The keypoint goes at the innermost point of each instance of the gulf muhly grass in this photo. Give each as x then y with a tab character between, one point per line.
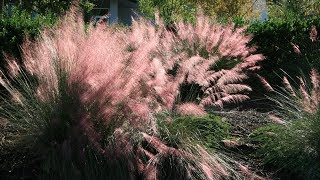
292	143
85	102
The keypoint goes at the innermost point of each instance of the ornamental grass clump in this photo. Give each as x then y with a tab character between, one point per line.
291	143
85	101
215	60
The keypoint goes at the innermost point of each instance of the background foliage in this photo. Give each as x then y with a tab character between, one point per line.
286	9
14	28
28	18
55	6
172	10
275	39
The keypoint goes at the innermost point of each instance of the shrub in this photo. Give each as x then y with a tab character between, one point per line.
284	9
277	39
170	11
15	27
57	7
173	10
97	92
293	145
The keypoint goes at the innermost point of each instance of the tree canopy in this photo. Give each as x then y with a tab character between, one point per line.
293	8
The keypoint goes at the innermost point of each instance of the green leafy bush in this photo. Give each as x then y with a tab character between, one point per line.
56	7
173	10
14	28
284	9
276	39
170	10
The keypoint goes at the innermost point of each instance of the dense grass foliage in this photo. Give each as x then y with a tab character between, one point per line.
208	130
291	149
292	145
